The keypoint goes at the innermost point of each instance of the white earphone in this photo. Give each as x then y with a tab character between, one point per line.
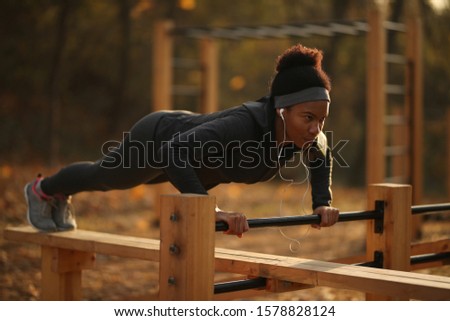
281	113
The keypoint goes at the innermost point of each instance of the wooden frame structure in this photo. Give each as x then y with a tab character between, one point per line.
188	258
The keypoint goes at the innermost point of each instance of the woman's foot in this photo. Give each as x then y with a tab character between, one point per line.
63	214
39	213
48	213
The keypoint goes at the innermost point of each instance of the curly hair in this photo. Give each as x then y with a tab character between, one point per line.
298	68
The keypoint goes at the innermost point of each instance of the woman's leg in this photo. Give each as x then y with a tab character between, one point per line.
125	166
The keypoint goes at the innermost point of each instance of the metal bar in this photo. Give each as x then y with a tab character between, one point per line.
302	220
239	285
420	209
425	258
351	27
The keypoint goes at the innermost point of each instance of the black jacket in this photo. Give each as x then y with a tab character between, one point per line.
198	152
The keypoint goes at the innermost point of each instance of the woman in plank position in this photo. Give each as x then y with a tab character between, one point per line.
195	152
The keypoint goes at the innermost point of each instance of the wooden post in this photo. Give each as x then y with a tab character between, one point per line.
61	273
414	100
394	241
448	153
162	77
162	65
187	247
210	75
376	98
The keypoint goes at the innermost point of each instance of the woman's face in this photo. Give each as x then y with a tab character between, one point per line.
305	121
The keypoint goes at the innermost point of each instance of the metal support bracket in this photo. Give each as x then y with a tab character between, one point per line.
379	221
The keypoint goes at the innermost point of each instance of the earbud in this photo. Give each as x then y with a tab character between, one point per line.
281	113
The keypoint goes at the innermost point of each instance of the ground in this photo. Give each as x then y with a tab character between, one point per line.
131	213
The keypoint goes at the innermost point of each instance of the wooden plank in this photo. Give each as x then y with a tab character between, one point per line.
89	241
187	247
311	272
319	273
430	247
439	246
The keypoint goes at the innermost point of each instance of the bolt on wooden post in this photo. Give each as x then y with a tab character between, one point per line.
187	247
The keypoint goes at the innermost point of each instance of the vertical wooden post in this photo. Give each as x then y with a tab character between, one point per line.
210	72
376	98
61	273
414	101
162	65
161	85
394	242
187	247
448	153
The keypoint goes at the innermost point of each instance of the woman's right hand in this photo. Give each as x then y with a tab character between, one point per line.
237	222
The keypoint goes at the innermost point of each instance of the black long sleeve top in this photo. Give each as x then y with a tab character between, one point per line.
200	151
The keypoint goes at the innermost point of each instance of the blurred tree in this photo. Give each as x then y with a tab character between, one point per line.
119	103
54	133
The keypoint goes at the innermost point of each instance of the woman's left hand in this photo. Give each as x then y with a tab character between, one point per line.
328	216
237	222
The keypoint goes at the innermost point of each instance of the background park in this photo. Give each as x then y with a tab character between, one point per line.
75	74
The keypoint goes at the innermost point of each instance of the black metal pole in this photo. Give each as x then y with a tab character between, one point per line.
420	209
239	285
302	220
425	258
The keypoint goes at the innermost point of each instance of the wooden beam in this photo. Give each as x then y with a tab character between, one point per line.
89	241
283	269
319	273
187	247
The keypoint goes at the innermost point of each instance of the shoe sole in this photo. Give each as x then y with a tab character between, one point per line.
28	211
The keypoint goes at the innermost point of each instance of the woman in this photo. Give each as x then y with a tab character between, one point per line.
244	144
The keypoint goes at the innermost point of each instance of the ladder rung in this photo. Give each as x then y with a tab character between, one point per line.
394	89
395	150
394	26
186	63
396	180
391	120
395	59
181	90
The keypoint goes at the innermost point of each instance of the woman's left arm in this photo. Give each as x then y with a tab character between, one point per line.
320	163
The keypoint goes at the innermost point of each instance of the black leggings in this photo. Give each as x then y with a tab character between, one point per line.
123	167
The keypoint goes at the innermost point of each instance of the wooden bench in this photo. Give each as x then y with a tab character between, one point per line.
66	254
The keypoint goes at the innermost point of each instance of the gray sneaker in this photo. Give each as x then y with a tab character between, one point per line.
39	213
63	214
